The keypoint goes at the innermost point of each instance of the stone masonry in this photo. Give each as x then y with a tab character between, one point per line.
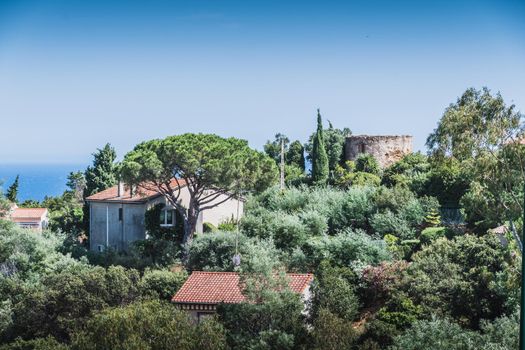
385	149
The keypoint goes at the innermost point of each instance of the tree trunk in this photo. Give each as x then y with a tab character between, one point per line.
190	226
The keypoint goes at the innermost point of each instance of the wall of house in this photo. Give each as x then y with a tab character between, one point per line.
214	216
120	233
131	228
224	211
385	149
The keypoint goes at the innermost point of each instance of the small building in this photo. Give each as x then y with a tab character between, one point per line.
30	218
117	214
386	149
203	291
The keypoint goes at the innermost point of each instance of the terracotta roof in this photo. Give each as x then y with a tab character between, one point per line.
142	194
28	214
223	287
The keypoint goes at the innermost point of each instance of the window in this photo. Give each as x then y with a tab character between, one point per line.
362	148
167	217
120	214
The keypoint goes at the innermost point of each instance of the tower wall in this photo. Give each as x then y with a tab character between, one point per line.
385	149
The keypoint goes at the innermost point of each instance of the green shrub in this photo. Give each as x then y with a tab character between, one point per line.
437	334
208	227
468	279
215	252
314	223
430	234
228	225
275	322
389	222
161	284
48	343
344	249
148	325
64	300
392	319
331	332
368	164
334	291
288	232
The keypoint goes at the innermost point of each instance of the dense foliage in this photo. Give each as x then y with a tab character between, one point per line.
402	257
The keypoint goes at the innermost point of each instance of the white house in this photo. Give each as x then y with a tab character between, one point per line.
116	215
31	218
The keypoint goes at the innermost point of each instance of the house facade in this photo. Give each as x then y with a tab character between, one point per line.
203	291
117	215
31	218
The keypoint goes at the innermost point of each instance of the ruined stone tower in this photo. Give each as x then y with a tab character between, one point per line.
385	149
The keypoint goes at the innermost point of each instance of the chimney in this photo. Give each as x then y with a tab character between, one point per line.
120	192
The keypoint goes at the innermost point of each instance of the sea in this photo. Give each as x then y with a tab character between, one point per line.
37	180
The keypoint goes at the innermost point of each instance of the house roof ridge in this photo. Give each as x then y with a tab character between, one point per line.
144	193
223	286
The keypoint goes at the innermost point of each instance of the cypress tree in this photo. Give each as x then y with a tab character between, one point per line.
100	176
319	157
103	173
12	191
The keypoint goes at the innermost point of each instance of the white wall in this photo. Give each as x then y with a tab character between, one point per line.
215	216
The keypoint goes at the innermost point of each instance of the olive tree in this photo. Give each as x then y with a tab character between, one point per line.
212	168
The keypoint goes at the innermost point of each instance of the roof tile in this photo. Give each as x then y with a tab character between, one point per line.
143	194
28	213
223	287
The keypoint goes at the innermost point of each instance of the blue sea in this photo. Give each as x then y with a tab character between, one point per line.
37	180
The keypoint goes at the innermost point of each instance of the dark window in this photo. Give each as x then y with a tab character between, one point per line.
362	148
169	217
120	214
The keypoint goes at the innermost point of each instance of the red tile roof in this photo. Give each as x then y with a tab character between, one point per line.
142	194
28	214
223	287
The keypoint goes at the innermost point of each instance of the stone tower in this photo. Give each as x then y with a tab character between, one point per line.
385	149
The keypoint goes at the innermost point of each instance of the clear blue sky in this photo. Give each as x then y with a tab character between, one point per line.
77	74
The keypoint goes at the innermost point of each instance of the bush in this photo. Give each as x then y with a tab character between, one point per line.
390	223
344	249
30	256
215	252
48	343
378	283
66	299
334	291
314	223
430	234
332	333
436	334
288	232
443	334
208	227
148	325
368	164
392	319
468	279
161	284
229	225
276	321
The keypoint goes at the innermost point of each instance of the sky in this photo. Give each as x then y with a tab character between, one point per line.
77	74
